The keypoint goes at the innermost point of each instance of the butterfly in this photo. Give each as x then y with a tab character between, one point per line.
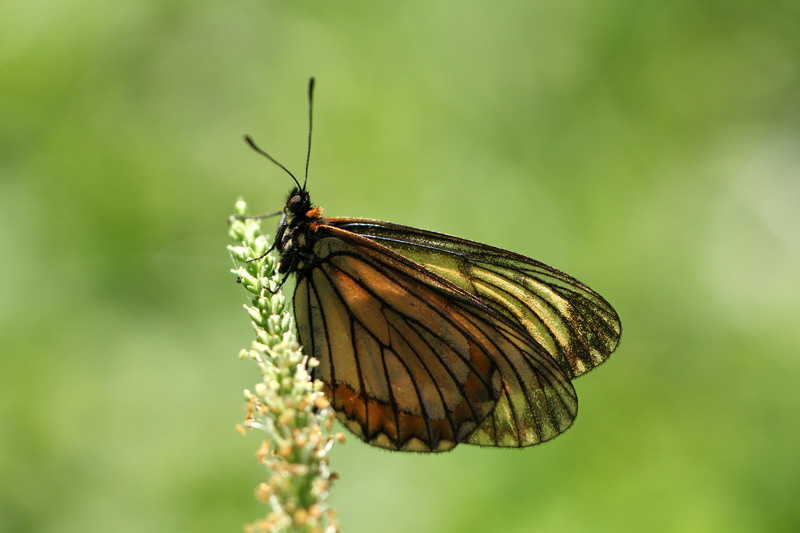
425	340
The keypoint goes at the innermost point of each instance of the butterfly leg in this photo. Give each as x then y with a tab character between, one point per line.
278	237
278	288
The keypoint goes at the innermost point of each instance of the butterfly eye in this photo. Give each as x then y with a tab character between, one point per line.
295	203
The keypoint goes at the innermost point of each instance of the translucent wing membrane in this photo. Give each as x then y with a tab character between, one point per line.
413	362
538	401
574	324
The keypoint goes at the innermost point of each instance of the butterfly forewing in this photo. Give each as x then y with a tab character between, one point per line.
412	362
574	324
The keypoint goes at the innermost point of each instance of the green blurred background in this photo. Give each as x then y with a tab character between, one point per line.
649	148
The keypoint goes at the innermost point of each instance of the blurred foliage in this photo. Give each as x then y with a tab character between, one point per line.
649	148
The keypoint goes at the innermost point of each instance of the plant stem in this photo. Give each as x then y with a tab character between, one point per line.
287	405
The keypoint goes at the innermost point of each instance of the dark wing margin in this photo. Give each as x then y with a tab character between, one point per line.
412	362
573	323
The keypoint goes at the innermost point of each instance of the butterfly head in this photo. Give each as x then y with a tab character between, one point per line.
297	203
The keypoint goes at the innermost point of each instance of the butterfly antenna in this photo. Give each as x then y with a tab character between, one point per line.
249	140
310	125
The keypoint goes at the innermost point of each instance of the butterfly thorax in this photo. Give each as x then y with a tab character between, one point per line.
297	235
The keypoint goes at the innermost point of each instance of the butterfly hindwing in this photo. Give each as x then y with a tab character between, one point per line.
412	362
572	322
538	400
403	368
